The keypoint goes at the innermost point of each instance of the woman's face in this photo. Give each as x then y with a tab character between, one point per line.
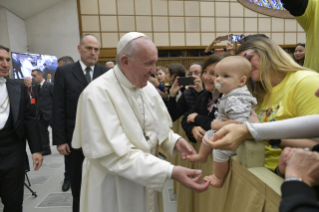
208	77
253	57
299	53
195	71
161	76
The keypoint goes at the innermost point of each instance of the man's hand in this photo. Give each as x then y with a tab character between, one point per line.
303	164
184	148
198	85
198	133
183	175
37	160
175	88
191	117
282	161
229	137
64	149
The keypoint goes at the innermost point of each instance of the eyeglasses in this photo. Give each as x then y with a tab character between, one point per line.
247	56
195	73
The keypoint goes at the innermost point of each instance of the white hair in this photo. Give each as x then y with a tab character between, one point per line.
109	62
130	50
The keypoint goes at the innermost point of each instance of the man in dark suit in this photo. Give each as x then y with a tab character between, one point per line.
43	91
16	125
66	183
70	80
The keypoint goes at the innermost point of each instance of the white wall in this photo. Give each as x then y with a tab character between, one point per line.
4	34
55	31
17	33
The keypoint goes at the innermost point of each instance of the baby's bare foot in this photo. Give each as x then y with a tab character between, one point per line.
214	181
196	158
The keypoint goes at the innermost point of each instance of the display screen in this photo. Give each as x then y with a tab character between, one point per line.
24	63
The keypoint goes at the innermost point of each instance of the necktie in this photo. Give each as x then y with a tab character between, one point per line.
39	86
87	75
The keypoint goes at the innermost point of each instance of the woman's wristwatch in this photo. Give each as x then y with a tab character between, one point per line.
293	179
274	142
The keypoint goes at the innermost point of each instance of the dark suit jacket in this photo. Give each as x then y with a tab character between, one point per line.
25	123
44	100
69	83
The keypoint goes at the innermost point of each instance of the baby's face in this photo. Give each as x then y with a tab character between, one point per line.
230	78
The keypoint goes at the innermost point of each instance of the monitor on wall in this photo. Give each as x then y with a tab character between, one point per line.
24	63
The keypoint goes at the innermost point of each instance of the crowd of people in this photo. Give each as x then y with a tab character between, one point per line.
108	121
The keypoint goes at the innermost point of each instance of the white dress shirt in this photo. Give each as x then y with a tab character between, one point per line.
4	114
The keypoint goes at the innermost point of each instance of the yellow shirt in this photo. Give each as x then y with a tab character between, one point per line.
293	97
309	21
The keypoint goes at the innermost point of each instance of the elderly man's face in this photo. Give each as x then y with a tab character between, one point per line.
89	50
4	63
27	82
143	64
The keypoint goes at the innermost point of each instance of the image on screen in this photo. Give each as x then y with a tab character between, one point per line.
24	63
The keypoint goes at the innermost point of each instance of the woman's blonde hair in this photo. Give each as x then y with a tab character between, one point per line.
272	57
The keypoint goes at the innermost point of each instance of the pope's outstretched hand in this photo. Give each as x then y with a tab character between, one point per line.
185	177
184	148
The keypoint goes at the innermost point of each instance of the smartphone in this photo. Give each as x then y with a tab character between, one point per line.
222	38
236	38
152	75
185	81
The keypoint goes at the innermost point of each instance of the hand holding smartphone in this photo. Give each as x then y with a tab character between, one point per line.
236	38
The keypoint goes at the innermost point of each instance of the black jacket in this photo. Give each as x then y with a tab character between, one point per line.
203	119
44	100
69	83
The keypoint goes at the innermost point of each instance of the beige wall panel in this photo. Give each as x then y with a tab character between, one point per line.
250	24
159	7
176	24
222	25
278	38
208	24
108	23
277	24
192	24
149	34
236	24
207	38
108	7
236	10
191	8
144	23
262	16
192	39
223	43
207	8
249	13
89	7
176	8
290	38
143	7
264	24
110	40
301	37
90	23
177	39
161	39
268	34
250	33
299	28
125	7
222	9
127	23
160	24
290	25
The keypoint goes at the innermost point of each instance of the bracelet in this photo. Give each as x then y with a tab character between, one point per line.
274	141
293	179
278	173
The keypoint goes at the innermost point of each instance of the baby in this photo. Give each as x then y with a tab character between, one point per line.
231	73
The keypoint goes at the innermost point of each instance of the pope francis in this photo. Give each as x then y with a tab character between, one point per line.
120	121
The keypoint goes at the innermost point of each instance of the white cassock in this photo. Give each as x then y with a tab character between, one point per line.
120	171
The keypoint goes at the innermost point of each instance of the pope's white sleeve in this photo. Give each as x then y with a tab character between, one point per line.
300	127
139	167
168	145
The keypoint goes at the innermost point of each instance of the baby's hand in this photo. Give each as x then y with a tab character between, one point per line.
196	158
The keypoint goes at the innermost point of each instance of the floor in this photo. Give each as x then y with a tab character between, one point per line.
47	183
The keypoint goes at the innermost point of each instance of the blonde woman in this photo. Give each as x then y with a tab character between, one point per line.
283	90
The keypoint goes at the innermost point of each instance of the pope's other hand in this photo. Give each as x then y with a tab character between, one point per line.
184	176
184	148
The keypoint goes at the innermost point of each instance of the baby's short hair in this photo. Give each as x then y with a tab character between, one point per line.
238	63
